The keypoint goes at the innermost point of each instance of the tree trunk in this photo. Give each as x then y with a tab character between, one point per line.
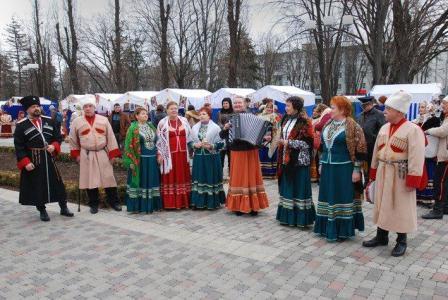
164	17
233	19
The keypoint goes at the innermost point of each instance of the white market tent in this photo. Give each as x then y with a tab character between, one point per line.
420	92
216	97
137	98
70	101
280	93
184	97
104	101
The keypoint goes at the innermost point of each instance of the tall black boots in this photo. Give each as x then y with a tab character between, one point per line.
381	239
400	247
111	195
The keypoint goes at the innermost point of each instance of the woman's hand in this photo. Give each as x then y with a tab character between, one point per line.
227	126
207	146
356	176
132	166
159	159
198	145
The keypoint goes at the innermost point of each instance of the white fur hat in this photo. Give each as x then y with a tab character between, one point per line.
88	99
400	101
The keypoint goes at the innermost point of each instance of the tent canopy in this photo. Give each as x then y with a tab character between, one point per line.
70	101
184	97
140	98
419	92
104	101
281	93
216	97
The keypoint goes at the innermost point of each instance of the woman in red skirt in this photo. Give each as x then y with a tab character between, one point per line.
246	189
174	138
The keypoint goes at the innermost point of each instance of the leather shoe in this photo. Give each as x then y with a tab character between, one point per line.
44	216
445	211
375	242
238	213
254	213
93	210
116	207
399	249
66	212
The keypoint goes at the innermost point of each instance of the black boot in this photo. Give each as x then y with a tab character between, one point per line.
65	211
254	213
381	239
94	200
238	213
112	198
44	215
400	247
435	213
445	211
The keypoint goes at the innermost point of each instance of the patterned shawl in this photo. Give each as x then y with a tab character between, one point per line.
132	152
163	142
302	130
356	142
212	132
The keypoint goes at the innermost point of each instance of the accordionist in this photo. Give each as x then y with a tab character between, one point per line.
246	189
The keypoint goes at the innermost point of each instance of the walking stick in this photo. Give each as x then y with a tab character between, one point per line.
79	199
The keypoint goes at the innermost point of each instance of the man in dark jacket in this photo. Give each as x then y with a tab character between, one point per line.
37	141
120	123
371	120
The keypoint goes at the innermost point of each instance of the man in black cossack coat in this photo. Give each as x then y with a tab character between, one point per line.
37	141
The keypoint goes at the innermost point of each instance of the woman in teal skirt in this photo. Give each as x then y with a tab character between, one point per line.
344	148
296	206
207	190
140	157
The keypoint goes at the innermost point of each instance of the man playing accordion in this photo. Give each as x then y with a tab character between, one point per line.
246	189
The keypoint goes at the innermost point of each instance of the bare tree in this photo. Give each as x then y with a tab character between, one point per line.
269	57
209	30
373	33
156	15
234	22
69	52
420	34
355	68
327	38
184	48
40	54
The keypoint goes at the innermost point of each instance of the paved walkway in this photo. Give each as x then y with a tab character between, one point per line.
206	255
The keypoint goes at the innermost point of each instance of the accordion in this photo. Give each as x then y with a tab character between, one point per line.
249	128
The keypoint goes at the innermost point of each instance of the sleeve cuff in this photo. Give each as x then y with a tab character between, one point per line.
114	153
57	148
23	163
75	153
372	174
413	181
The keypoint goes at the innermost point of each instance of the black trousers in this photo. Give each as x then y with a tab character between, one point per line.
62	204
111	195
441	185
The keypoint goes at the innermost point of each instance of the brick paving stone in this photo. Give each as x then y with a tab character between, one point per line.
168	255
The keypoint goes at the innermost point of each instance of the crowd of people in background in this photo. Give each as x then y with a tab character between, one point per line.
177	161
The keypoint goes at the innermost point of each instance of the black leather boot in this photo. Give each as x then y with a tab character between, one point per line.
112	198
435	213
65	211
445	211
400	247
93	209
44	215
381	239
